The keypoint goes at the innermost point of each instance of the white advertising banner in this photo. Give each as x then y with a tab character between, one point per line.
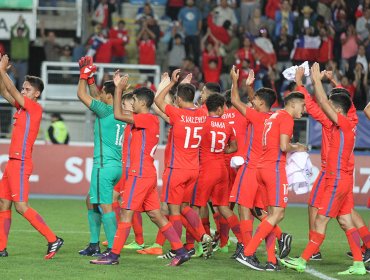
8	19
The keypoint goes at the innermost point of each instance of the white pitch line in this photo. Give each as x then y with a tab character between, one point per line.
308	270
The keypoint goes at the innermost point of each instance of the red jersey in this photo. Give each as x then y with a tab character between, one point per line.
240	126
281	122
119	39
257	123
126	146
25	129
147	52
216	134
144	141
187	125
168	146
341	149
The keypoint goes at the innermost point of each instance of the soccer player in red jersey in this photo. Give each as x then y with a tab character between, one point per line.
182	170
140	191
217	138
246	191
14	186
337	201
271	174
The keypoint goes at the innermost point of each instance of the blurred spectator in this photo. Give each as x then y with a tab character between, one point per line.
146	46
66	56
191	20
349	48
173	8
283	47
176	53
188	66
350	87
152	25
221	33
144	12
103	13
51	47
308	20
57	132
264	49
245	52
78	49
230	50
19	49
211	60
326	48
120	38
340	26
363	26
255	23
284	18
223	12
360	97
53	4
271	7
247	7
98	45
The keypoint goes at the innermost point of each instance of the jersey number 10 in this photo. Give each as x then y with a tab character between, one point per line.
119	134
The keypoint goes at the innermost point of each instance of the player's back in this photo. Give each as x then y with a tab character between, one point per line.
281	122
215	136
144	142
26	126
187	125
126	145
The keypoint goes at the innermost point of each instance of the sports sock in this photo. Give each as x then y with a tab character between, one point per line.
172	236
176	223
270	247
261	233
313	244
190	234
110	226
123	230
38	223
235	227
224	232
94	219
246	228
365	235
5	222
160	239
277	231
137	226
353	238
194	220
206	225
216	218
117	210
309	238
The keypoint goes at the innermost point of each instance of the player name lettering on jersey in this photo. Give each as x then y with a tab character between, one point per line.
228	116
190	119
218	124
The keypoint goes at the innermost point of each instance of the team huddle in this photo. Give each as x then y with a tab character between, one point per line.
219	154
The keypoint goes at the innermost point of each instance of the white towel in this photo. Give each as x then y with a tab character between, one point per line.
289	73
299	170
236	162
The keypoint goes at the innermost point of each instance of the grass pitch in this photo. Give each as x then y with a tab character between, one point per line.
68	219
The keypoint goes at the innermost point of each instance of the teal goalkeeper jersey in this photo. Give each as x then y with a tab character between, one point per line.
108	135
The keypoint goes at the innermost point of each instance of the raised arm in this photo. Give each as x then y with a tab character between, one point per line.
249	83
87	70
231	147
320	94
367	111
165	80
5	94
235	98
160	98
10	92
121	83
287	147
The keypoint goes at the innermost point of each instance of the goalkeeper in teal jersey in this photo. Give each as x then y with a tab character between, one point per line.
107	167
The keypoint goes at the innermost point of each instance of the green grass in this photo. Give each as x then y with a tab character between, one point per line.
68	219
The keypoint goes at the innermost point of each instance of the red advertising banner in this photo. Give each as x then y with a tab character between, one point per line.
66	170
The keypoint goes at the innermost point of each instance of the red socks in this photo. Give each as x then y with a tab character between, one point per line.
194	221
117	210
206	225
176	223
123	230
172	236
137	226
353	238
365	235
38	223
246	227
216	218
270	247
5	221
235	227
309	238
277	231
313	245
160	239
224	232
262	231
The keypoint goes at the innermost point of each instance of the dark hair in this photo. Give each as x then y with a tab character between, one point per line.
186	92
214	102
341	100
144	94
122	22
127	96
226	24
266	94
293	95
227	94
35	82
213	87
109	87
177	35
339	90
56	116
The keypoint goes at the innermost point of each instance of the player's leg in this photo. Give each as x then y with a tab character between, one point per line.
5	212
363	230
